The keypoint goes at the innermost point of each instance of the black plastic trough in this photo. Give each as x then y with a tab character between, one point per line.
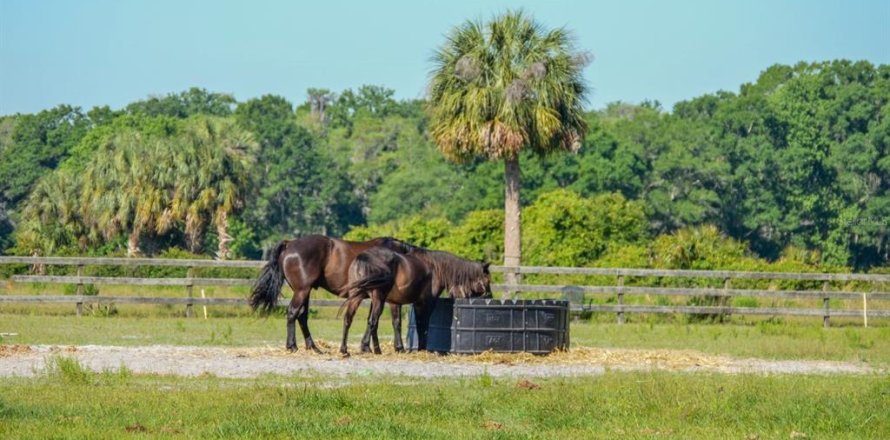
507	326
439	336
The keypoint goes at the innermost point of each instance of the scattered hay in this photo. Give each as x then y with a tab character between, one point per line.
527	385
580	356
136	427
13	350
491	425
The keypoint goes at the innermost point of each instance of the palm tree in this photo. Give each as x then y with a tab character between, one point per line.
503	86
109	189
214	177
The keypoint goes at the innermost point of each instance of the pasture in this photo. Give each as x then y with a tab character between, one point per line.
779	339
68	401
65	398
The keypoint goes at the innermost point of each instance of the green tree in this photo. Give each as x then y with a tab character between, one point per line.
479	237
194	101
503	86
36	145
565	229
300	188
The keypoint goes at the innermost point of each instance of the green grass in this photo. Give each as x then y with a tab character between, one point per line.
69	401
776	339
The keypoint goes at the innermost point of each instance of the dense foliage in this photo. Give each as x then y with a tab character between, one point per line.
793	167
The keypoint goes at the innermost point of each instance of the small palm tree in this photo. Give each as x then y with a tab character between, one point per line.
51	216
503	86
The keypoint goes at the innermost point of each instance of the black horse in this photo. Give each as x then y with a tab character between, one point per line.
412	275
310	262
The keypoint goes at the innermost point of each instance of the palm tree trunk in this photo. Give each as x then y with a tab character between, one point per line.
222	231
133	243
512	219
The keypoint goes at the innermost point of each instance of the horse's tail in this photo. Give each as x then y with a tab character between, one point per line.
267	287
367	274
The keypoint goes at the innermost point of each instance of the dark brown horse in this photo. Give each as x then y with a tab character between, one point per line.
412	275
310	262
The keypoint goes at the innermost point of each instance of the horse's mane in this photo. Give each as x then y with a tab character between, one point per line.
456	274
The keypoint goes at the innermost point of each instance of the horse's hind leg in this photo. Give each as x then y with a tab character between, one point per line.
366	338
298	304
377	299
396	311
351	307
298	311
303	319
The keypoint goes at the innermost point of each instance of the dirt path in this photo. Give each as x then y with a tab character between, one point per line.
22	360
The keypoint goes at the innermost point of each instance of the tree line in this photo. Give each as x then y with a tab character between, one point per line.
793	166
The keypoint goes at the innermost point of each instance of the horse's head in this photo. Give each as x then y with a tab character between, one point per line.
482	285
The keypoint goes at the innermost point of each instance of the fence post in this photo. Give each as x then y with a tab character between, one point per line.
864	310
620	299
79	291
826	319
727	284
188	306
514	278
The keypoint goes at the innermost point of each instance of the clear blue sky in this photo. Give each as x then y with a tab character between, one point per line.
112	52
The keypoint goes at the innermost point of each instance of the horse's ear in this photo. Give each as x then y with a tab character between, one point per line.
485	266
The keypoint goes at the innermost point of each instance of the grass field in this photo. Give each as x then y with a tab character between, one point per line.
776	339
68	401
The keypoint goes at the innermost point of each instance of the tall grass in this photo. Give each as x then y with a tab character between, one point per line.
614	405
69	371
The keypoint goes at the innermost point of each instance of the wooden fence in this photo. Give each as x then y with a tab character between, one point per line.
575	293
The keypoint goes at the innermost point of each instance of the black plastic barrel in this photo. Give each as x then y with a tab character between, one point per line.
439	335
510	326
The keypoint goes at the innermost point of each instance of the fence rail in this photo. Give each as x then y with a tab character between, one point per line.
670	273
574	293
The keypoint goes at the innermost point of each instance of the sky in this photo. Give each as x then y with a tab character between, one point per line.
113	52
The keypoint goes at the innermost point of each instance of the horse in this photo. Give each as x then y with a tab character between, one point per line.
412	275
310	262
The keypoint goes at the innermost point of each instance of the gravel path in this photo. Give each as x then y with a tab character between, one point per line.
30	361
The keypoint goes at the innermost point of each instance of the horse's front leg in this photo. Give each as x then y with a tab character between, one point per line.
396	311
422	323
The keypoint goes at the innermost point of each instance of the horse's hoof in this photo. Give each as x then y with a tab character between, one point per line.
366	349
317	350
344	354
400	349
377	351
292	349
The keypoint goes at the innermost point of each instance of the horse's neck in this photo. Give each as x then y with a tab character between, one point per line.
449	270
